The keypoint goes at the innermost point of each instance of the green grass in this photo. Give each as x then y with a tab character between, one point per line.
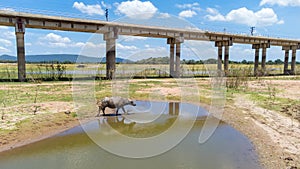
9	70
275	104
15	94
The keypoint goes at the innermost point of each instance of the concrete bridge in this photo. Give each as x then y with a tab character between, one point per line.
175	37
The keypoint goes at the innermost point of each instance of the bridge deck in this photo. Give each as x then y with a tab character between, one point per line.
8	18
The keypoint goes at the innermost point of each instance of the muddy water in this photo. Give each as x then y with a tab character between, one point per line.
74	149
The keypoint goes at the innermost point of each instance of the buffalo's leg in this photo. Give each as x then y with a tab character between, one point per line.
117	111
99	109
103	110
124	110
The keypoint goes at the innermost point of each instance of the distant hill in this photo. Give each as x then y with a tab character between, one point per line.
61	58
151	60
8	58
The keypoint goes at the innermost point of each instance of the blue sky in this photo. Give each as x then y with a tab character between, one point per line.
275	18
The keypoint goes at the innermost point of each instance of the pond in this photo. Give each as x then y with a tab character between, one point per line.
79	148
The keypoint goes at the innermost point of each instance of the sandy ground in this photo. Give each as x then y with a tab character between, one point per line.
50	118
275	136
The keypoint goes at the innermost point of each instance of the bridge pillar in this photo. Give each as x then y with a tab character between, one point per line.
293	66
226	59
177	64
226	45
256	60
220	57
171	41
257	48
174	108
175	45
178	41
20	32
286	59
263	59
287	49
110	38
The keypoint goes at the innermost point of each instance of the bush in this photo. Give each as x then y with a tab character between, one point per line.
238	77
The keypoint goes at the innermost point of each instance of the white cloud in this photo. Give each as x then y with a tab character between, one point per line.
193	6
136	9
144	52
280	2
6	32
164	15
52	37
124	47
263	17
5	42
7	9
4	50
89	9
187	14
28	44
105	5
132	38
199	50
214	15
8	35
54	40
4	27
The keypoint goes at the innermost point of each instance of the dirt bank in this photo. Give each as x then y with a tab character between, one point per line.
275	136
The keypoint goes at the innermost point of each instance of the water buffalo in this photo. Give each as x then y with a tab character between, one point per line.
113	102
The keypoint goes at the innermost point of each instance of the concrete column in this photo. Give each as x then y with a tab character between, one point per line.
220	53
293	66
256	61
177	65
263	59
226	59
110	58
21	56
110	38
171	41
286	62
20	32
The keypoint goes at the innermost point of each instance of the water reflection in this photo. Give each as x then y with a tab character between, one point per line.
73	149
173	108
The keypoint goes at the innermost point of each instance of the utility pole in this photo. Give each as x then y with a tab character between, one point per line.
252	30
106	14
